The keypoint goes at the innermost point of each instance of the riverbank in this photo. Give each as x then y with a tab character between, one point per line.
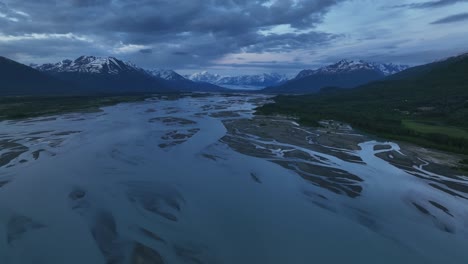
310	152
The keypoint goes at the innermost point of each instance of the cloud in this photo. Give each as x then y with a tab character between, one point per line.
130	48
177	32
45	49
452	19
146	51
42	36
10	14
193	34
180	53
88	3
432	4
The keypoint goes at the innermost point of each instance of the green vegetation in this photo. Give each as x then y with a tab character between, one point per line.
26	107
427	106
435	129
464	165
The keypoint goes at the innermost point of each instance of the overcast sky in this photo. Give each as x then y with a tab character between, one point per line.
234	36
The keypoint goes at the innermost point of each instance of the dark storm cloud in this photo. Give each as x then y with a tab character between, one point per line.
87	3
432	4
181	53
270	65
177	32
146	51
289	42
43	49
452	19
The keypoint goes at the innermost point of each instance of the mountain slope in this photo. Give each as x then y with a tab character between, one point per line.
403	107
169	75
343	74
19	79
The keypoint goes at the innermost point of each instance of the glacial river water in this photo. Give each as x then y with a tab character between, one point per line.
151	182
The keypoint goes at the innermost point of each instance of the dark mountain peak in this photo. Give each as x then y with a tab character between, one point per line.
304	73
344	62
348	65
458	57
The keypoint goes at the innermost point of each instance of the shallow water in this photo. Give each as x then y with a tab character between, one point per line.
152	182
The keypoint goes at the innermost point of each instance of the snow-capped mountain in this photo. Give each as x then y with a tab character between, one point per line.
204	76
90	64
104	75
343	74
389	68
348	66
243	81
169	75
111	75
265	79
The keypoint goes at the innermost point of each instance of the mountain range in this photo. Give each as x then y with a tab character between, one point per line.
250	82
109	75
343	74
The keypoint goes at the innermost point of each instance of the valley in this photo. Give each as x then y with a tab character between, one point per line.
233	132
158	180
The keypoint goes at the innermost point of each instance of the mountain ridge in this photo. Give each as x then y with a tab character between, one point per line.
342	74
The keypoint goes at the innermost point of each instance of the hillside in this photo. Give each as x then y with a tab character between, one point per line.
427	104
19	79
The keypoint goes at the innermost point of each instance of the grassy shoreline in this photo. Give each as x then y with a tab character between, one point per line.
22	107
427	132
380	120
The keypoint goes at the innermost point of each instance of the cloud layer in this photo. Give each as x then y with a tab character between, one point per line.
452	19
192	34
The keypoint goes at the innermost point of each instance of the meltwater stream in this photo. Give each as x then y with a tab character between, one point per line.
151	182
